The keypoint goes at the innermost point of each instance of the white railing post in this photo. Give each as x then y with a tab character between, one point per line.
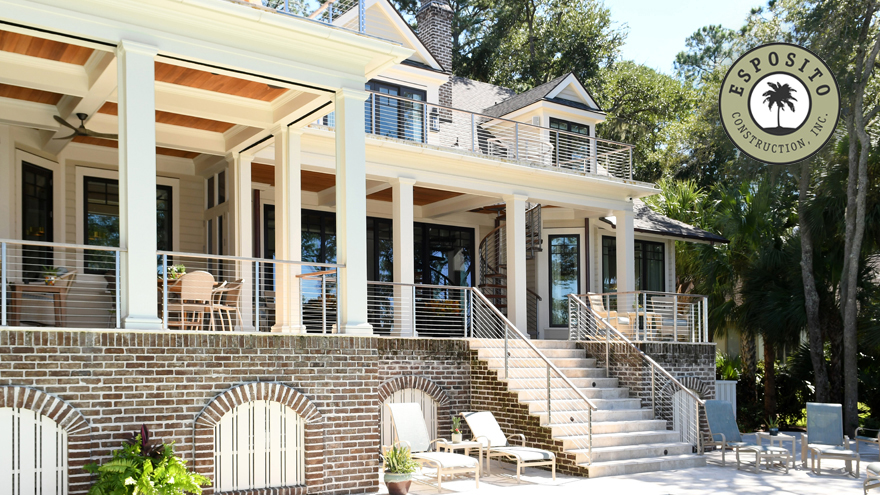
3	282
675	317
549	406
413	306
705	319
164	290
473	134
470	295
324	303
516	138
362	17
257	296
505	351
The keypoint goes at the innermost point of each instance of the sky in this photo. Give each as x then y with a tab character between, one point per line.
658	28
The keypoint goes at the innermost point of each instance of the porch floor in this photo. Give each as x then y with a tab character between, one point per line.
713	479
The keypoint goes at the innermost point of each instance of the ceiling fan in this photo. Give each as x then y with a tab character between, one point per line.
81	130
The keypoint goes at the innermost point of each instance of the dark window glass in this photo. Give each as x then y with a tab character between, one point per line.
380	261
210	192
564	275
164	240
392	117
569	149
221	188
444	255
101	222
36	212
649	265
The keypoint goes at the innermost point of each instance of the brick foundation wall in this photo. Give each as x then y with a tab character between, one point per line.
104	385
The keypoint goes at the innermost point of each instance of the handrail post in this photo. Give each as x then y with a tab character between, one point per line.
362	17
505	351
516	138
549	421
470	294
323	302
645	313
607	349
412	332
653	399
705	319
257	296
164	290
590	433
464	327
675	317
3	282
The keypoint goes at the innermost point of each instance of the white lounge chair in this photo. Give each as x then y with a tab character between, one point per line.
410	430
487	431
872	476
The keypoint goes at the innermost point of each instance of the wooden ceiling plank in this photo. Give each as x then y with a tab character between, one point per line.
44	48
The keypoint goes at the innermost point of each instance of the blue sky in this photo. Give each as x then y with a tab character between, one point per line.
658	28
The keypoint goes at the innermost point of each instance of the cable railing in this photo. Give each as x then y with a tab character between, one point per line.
549	393
231	293
348	14
416	121
651	316
419	310
670	401
60	285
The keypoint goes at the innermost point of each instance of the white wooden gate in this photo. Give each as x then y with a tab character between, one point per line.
33	453
429	409
726	390
259	445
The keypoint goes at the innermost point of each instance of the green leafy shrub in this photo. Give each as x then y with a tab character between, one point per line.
143	468
399	460
727	367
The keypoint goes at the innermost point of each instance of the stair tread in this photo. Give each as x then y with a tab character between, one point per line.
644	433
622	423
644	460
635	446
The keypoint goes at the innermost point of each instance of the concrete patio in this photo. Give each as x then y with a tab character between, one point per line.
713	479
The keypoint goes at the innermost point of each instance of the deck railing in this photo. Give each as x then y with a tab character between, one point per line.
422	123
348	14
653	316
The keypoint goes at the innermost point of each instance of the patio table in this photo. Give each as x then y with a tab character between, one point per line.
778	439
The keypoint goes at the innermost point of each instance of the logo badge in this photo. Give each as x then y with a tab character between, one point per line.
779	103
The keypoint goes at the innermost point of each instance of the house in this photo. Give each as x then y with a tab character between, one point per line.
348	216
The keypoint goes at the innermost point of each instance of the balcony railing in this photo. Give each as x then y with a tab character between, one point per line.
652	316
418	122
348	14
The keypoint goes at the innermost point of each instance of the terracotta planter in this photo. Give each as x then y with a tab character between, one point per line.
398	484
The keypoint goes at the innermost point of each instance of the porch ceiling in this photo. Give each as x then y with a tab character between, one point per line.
211	113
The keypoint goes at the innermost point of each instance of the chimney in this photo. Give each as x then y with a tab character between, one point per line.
435	32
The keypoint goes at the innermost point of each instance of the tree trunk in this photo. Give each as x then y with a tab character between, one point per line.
748	351
811	295
769	379
833	327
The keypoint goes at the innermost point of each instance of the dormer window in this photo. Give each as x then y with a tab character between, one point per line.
571	146
397	115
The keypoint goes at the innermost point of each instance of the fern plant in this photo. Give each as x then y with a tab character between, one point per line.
142	468
399	460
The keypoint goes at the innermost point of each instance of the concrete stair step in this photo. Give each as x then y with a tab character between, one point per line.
633	466
497	361
538	406
523	352
512	343
619	439
558	393
581	383
560	429
634	451
537	373
580	416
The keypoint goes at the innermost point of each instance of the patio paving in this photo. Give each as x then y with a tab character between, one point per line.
710	479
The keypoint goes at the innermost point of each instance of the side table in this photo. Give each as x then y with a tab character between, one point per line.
778	439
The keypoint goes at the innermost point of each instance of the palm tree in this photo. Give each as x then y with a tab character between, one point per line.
780	95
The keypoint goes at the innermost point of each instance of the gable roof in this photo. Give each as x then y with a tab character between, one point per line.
476	96
650	222
549	91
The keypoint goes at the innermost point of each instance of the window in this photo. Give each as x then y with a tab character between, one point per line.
564	275
259	444
35	453
393	117
569	149
649	265
444	255
380	242
210	194
221	187
36	218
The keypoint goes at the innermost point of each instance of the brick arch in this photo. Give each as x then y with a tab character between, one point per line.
209	416
436	392
79	431
702	388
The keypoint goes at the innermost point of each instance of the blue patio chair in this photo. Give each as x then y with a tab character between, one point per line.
723	431
825	439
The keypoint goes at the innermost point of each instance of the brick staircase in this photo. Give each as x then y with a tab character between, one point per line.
626	437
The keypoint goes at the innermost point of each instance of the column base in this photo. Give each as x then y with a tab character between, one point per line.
141	323
291	329
363	329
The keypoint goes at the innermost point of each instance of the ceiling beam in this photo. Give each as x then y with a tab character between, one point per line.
377	186
327	197
27	114
169	136
42	74
457	204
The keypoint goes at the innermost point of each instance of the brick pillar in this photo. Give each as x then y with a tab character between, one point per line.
435	32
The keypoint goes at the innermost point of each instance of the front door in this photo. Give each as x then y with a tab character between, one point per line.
36	219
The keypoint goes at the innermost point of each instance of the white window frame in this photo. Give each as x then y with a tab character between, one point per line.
35	453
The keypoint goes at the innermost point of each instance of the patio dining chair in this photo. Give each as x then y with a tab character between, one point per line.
672	322
410	430
621	323
226	299
824	438
487	431
723	431
194	300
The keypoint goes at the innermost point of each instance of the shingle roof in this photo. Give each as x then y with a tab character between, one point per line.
649	221
476	96
525	99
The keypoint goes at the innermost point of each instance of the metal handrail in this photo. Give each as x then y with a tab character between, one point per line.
240	258
61	245
531	346
610	329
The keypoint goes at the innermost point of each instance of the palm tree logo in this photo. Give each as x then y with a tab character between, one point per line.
780	95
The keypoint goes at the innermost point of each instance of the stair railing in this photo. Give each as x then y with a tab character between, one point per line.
502	340
670	400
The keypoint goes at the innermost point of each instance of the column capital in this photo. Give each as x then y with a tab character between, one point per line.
355	94
510	198
127	46
402	181
239	157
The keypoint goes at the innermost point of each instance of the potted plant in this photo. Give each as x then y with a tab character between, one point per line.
773	426
399	467
174	271
456	429
142	467
50	274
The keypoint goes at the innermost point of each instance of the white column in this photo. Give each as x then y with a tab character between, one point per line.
404	255
351	209
137	184
7	179
626	275
288	229
515	225
242	228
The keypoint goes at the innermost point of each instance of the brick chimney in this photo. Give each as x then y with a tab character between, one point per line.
435	32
